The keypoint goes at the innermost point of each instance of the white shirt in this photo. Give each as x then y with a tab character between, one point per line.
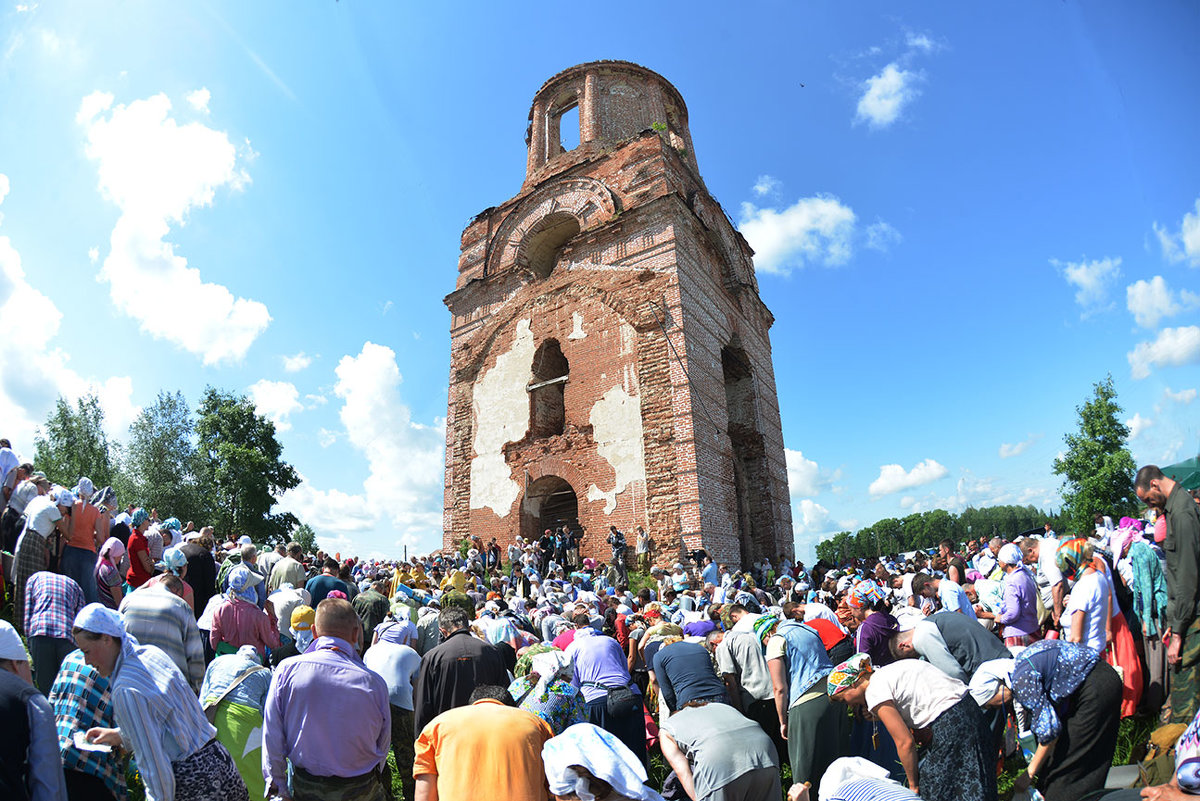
1088	596
920	691
41	514
815	610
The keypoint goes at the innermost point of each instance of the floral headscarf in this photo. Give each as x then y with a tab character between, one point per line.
864	594
764	627
1073	556
847	674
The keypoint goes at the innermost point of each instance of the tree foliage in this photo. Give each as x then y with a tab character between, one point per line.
1097	468
241	462
162	462
73	444
926	529
306	536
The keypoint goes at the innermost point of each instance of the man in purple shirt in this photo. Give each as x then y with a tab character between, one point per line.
328	714
601	665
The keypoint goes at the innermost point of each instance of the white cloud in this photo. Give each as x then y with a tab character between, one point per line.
93	255
326	437
157	171
1173	347
1150	301
813	230
4	187
920	41
23	8
805	477
765	185
1007	451
34	373
276	400
402	494
811	518
1091	280
316	400
1137	424
881	236
885	95
294	364
894	478
199	99
1184	245
1184	396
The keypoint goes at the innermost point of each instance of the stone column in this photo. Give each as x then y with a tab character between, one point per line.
589	111
537	139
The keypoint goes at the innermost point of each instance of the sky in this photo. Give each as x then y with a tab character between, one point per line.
963	218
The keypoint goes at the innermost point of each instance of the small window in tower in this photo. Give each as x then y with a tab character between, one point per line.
547	407
568	129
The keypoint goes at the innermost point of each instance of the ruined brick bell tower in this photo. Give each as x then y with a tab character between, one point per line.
610	360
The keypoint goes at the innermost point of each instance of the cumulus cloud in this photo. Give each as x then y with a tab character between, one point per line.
199	99
765	185
1173	347
157	171
886	95
811	518
34	372
276	400
1183	245
1137	424
805	477
1150	301
1184	396
402	494
813	230
881	236
1007	450
894	478
294	364
1091	280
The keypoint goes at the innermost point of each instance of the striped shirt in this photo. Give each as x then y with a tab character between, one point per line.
82	699
160	720
51	603
157	617
872	790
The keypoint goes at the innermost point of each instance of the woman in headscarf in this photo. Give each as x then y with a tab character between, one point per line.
1140	569
110	585
1074	696
585	761
174	563
157	715
917	702
1096	619
239	621
1017	612
875	627
233	693
548	693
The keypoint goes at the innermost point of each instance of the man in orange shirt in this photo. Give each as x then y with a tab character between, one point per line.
488	744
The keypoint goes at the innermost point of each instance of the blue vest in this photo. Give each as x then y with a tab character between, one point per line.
807	660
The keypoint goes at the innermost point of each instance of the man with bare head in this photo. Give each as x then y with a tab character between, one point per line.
329	715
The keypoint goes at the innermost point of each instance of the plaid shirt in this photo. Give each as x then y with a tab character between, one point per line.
51	603
82	699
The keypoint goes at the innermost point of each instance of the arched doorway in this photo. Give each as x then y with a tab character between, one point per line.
549	502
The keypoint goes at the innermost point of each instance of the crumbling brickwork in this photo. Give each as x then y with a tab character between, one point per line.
610	358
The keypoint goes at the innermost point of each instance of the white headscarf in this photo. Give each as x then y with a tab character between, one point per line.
603	755
549	666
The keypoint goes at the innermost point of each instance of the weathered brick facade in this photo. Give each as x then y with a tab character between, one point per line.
610	359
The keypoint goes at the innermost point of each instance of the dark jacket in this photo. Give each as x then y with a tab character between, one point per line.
451	672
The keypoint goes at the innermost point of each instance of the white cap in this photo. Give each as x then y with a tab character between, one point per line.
244	540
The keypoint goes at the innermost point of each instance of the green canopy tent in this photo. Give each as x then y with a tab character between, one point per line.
1187	472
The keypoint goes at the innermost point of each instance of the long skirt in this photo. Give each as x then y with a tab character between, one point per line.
209	775
959	763
239	729
33	555
1083	754
818	733
1124	653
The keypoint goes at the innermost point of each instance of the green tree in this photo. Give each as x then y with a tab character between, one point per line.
1097	468
73	444
307	538
162	462
242	463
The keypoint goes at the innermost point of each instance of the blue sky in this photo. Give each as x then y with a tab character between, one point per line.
964	217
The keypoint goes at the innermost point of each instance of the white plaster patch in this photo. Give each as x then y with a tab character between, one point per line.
617	430
577	331
500	408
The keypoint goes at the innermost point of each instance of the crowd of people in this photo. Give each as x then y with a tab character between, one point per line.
532	671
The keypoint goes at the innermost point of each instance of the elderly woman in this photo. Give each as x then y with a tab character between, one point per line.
239	621
157	715
548	693
585	761
1074	696
1018	606
110	584
916	701
174	563
1141	571
234	692
874	627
